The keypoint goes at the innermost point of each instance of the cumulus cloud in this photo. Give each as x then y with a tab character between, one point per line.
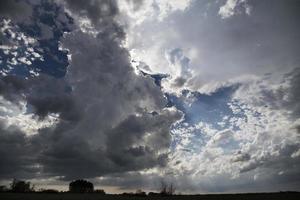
44	94
100	100
225	51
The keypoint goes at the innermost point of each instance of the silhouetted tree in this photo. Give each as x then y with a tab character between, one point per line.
163	187
171	189
100	191
81	186
21	186
167	189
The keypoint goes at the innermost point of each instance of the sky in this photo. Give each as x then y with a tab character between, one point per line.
130	93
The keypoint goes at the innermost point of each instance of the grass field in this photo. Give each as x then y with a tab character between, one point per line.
69	196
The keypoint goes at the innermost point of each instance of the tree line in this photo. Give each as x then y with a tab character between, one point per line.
81	186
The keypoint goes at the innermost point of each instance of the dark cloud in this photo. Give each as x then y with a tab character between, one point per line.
298	129
11	87
133	148
293	102
114	105
19	11
49	95
73	155
16	155
106	122
44	94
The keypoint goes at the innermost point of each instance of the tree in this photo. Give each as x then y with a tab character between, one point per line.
163	187
167	189
100	191
21	186
171	189
81	186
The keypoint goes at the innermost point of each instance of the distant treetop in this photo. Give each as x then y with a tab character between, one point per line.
81	186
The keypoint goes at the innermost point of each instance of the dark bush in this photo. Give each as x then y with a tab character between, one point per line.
81	186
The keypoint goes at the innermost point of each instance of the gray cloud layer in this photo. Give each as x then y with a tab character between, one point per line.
19	11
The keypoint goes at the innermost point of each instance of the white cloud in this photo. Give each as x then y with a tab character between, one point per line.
233	7
259	141
16	115
218	50
139	12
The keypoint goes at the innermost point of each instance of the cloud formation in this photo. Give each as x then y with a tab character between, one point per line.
228	49
129	92
256	142
99	101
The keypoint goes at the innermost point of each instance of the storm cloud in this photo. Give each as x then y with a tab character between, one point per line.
109	118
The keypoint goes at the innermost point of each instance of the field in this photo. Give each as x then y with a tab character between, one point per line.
69	196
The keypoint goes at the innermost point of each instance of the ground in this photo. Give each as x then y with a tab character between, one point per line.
69	196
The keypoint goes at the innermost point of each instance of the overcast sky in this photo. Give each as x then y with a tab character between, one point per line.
203	94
